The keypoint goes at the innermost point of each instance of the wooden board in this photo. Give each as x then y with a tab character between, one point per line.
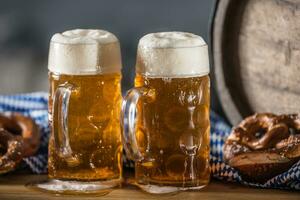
256	55
12	187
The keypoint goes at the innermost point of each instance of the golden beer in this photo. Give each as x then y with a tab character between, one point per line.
173	131
93	125
84	112
165	117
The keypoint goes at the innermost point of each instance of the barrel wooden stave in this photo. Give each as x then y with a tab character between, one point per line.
256	55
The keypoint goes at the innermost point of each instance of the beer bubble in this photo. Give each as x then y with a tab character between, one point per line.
167	79
97	159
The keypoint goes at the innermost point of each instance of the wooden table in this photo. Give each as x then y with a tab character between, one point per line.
12	187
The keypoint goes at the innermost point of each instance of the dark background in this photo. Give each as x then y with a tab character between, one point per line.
27	26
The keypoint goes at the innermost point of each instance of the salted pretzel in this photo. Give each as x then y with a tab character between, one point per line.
19	138
264	145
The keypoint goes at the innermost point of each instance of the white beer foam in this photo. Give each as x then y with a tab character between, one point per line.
84	51
172	54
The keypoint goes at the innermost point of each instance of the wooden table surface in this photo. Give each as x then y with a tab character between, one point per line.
13	187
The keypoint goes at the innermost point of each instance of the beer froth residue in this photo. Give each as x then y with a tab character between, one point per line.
172	54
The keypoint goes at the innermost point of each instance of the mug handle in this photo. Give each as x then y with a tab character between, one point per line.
60	125
128	121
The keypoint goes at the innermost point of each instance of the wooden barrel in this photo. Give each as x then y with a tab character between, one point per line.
255	46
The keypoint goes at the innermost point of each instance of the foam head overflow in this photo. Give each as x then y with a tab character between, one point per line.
172	54
84	51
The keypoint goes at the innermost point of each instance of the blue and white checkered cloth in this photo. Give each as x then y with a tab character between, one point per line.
35	106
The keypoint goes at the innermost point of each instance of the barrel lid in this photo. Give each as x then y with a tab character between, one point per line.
255	49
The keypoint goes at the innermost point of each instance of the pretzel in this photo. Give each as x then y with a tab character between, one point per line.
13	155
264	145
19	138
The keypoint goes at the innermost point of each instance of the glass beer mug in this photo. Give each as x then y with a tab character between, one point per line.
165	118
84	111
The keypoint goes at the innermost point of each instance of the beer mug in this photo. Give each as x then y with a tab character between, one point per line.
165	118
84	110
